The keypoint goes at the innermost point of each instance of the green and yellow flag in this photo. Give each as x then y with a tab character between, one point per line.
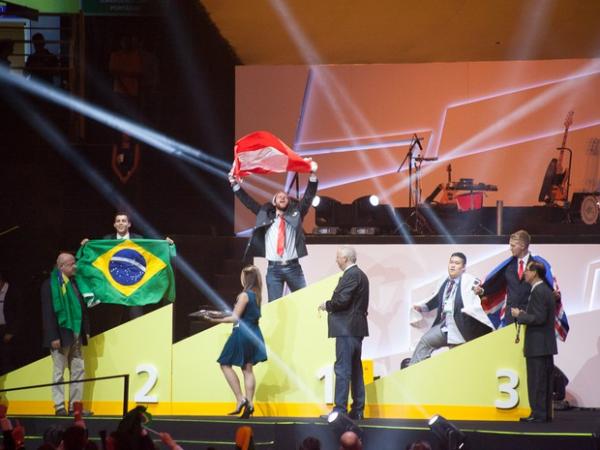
126	272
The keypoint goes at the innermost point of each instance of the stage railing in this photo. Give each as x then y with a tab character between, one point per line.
85	380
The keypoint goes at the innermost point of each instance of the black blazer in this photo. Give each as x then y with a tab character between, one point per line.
469	327
265	216
349	304
50	326
540	339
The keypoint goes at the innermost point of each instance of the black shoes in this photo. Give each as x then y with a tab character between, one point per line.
62	412
248	411
354	415
239	408
532	419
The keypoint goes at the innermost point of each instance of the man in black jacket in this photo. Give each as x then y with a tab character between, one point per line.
66	329
278	235
540	342
347	323
459	315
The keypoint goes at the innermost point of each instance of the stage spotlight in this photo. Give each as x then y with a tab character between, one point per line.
448	434
341	423
325	215
367	215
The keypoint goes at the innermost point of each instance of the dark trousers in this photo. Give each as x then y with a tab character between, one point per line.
539	386
277	275
349	374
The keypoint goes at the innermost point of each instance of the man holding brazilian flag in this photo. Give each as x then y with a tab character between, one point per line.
126	272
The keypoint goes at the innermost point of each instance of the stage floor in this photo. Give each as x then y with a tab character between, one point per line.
570	430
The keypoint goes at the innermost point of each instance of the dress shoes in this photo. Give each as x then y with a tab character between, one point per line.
248	411
241	405
62	412
532	419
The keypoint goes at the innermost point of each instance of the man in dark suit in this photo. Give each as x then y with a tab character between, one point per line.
460	317
540	342
347	323
278	235
66	330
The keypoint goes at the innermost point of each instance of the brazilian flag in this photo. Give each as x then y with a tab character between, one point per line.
126	272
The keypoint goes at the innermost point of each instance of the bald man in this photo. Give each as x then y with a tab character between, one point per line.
66	329
350	441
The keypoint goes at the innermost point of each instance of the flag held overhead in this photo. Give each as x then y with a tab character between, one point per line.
263	152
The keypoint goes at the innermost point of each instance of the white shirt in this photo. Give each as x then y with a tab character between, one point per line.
525	260
289	247
125	236
454	335
534	285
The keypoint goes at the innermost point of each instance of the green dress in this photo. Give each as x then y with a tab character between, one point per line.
246	343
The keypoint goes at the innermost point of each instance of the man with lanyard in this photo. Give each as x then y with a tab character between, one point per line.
279	236
66	329
460	317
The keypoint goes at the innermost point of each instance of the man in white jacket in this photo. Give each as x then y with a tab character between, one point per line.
460	317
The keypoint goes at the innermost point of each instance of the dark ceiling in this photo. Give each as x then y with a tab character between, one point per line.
400	31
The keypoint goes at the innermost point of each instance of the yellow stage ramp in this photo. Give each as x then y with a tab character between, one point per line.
140	348
483	379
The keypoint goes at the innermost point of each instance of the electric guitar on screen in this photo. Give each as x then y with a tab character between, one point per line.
555	184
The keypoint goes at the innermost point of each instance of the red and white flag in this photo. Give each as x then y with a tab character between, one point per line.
263	152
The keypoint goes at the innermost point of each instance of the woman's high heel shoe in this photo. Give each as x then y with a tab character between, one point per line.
239	408
248	411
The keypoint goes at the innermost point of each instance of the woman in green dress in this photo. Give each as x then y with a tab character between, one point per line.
245	347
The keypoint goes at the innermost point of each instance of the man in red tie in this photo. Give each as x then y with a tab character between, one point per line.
278	235
508	276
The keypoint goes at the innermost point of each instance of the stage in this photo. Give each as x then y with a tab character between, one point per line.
570	430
